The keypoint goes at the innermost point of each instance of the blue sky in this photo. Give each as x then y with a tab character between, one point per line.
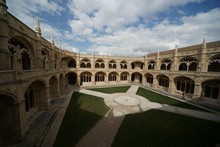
122	27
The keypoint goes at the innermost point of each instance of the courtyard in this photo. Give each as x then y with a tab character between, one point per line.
133	116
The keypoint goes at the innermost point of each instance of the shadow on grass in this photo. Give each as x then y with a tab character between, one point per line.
83	112
111	90
159	128
158	98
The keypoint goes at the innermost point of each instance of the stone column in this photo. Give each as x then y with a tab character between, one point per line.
93	79
45	102
171	86
155	82
144	80
4	37
197	91
78	82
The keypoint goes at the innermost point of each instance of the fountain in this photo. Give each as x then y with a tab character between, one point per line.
126	100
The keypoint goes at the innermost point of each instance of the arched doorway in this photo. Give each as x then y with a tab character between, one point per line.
149	78
35	96
136	77
163	81
10	125
85	78
211	90
71	78
184	84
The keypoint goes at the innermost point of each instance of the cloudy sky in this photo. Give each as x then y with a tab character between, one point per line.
122	27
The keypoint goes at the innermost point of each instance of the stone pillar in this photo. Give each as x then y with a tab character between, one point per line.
197	91
78	82
171	86
45	102
155	82
93	79
4	37
144	80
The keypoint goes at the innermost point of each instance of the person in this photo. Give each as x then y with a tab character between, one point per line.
183	94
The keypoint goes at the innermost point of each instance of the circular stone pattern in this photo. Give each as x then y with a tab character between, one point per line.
126	100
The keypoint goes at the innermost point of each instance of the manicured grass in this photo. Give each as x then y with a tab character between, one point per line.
111	90
83	112
159	128
159	98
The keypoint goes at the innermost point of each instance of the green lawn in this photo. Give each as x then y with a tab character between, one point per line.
83	112
159	128
159	98
111	90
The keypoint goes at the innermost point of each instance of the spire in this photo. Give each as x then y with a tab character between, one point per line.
52	40
158	53
37	29
204	43
59	45
176	48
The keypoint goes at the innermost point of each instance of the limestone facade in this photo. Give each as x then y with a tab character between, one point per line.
33	71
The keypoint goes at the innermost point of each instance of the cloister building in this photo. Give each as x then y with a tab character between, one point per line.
33	72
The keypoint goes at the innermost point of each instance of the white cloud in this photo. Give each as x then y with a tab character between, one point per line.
98	14
140	40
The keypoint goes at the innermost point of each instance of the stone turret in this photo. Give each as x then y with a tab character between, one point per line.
203	56
4	37
38	29
52	40
175	60
158	61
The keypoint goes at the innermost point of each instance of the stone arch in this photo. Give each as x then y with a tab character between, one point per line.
35	95
100	76
124	76
211	89
151	64
82	65
123	64
113	76
149	78
10	130
184	84
112	64
137	65
72	64
136	77
188	63
71	78
85	77
53	87
22	53
165	64
214	64
69	62
163	80
85	63
99	63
